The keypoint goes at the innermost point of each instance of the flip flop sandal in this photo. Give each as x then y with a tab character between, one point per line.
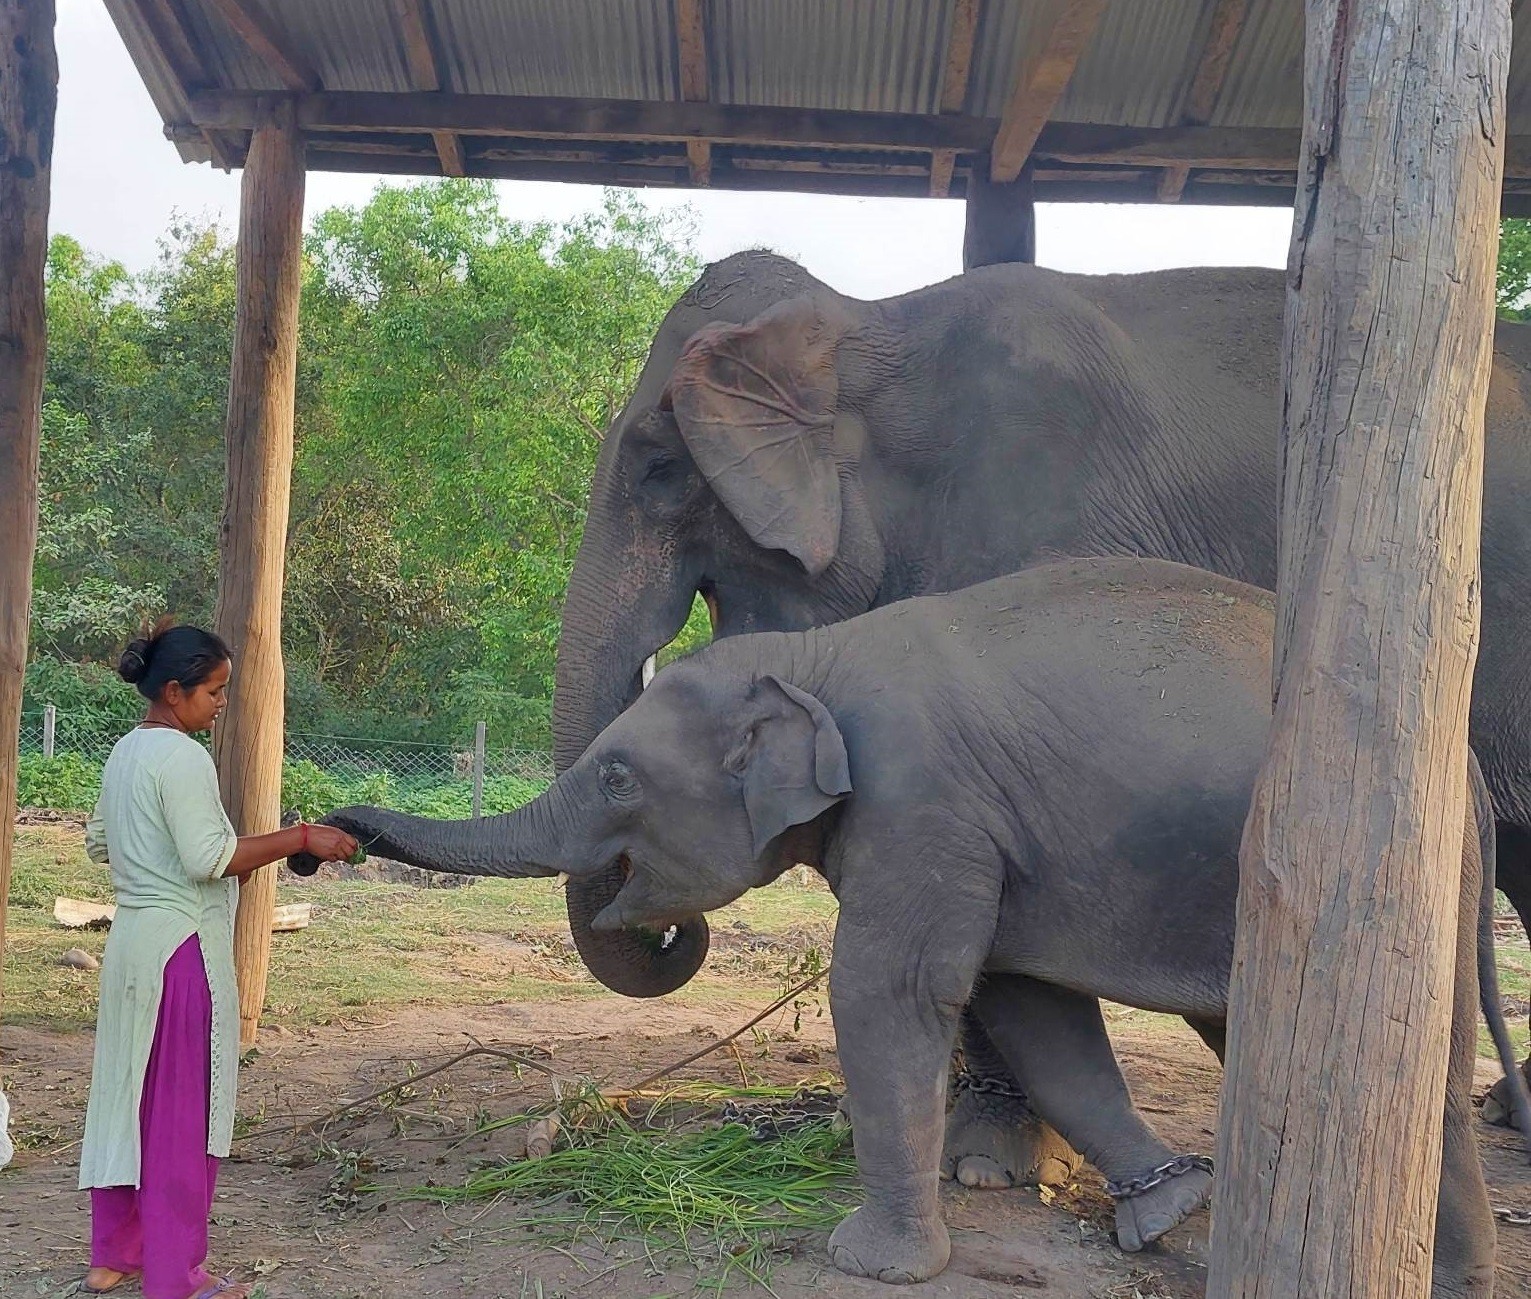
221	1286
125	1279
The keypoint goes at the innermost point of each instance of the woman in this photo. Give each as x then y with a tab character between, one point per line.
161	1109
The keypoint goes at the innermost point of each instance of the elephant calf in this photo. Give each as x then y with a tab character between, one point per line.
1033	788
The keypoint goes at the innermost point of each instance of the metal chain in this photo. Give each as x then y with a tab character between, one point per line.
969	1082
1177	1167
774	1119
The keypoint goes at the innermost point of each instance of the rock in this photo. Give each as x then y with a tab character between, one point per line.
77	958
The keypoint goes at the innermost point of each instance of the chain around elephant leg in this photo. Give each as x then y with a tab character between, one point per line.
994	1139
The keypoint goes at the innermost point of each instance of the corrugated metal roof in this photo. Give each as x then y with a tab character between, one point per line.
885	56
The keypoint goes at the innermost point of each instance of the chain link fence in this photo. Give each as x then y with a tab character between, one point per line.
327	771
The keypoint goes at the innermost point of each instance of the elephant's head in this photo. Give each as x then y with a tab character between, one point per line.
734	473
695	789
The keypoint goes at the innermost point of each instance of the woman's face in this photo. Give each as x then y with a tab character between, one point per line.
197	709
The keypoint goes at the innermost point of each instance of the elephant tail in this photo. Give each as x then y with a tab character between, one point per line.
1488	971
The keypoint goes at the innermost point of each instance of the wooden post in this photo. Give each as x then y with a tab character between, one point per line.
28	98
1001	219
50	730
1330	1135
479	728
252	550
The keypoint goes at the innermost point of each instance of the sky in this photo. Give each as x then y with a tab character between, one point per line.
117	182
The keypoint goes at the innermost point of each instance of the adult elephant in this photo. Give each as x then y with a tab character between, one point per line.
798	457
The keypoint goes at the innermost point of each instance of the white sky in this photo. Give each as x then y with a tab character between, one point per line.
117	180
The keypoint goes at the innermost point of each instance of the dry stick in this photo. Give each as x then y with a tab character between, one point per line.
330	1117
721	1043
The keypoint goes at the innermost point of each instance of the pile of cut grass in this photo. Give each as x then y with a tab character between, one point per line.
710	1193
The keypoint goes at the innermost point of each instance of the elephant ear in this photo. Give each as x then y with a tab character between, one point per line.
791	760
756	405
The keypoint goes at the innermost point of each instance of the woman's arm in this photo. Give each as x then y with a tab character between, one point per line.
256	850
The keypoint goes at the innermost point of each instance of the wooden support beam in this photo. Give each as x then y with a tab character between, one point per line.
268	43
425	74
247	742
1340	1014
28	100
1001	220
955	70
691	39
1207	83
594	119
1040	80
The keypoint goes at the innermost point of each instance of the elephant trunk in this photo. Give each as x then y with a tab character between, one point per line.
613	619
518	845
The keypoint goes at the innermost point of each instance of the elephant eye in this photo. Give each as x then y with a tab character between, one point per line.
661	469
618	781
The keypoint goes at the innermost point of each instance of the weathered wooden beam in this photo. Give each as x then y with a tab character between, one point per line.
425	74
691	38
1343	1009
1001	224
1207	83
1040	80
247	742
28	101
267	42
594	119
954	86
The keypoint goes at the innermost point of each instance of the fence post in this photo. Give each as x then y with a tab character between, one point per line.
50	729
478	769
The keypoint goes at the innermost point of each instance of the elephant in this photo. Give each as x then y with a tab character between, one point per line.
798	457
1029	794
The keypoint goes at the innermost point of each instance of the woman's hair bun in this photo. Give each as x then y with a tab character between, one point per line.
134	661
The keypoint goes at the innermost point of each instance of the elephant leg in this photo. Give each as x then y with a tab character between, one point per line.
1464	1220
1514	880
1214	1035
1056	1042
896	991
993	1137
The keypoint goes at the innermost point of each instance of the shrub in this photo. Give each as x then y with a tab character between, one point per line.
66	782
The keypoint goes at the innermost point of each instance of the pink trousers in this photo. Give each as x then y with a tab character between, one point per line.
160	1227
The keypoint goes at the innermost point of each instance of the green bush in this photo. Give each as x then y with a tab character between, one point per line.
66	782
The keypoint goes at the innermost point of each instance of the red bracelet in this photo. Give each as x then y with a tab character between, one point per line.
303	847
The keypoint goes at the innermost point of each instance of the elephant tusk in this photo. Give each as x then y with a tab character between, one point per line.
650	666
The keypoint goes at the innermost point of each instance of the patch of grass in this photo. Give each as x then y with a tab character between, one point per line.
716	1195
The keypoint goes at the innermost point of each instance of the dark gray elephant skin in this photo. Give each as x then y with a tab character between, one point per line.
1035	787
800	457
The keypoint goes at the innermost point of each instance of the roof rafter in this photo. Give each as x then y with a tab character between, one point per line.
267	43
168	32
954	86
1040	80
691	36
425	74
1207	83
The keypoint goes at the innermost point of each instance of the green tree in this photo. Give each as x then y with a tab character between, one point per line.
1514	278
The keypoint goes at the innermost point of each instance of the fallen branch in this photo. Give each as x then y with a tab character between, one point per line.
720	1043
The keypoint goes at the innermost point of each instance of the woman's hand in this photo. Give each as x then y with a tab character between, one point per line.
329	844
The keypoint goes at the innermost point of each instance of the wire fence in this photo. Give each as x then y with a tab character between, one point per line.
325	771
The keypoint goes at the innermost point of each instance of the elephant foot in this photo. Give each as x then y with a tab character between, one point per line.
1497	1105
893	1250
1149	1206
994	1140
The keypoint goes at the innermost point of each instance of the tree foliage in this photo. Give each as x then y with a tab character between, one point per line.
457	371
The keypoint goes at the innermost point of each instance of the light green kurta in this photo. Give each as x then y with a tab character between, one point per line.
161	826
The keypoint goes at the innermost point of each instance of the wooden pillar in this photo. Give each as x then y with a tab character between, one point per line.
252	550
28	97
1330	1133
1001	219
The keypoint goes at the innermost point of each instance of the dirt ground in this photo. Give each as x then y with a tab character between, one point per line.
286	1214
390	981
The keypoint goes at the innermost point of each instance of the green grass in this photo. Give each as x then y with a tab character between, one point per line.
713	1195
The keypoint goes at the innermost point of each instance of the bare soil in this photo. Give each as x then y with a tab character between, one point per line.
288	1216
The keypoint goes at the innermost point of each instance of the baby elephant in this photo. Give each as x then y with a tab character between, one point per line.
1034	788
